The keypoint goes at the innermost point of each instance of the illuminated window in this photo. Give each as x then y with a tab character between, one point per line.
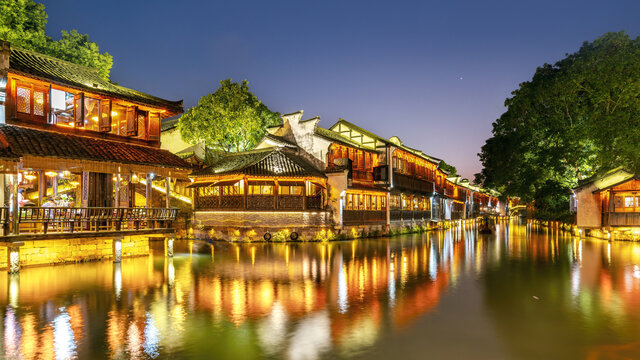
141	118
628	201
24	100
314	190
38	103
91	114
209	191
297	190
235	189
261	189
118	119
349	205
62	108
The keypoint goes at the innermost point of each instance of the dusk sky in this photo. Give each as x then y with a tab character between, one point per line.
434	73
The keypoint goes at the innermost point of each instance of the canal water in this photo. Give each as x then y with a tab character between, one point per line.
522	293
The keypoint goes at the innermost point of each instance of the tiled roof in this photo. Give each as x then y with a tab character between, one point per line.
168	124
271	162
334	136
51	69
280	140
16	141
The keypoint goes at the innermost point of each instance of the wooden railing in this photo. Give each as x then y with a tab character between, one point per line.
409	215
620	219
351	217
259	202
411	183
93	219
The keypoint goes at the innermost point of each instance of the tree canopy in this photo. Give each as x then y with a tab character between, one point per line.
23	22
575	118
450	169
231	119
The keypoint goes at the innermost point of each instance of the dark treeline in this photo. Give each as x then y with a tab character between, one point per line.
572	120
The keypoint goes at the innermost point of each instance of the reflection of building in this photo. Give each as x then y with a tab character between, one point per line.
374	184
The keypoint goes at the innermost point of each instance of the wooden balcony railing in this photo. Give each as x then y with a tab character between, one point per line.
43	220
407	215
357	217
620	219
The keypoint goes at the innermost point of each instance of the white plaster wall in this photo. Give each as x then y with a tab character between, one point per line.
589	213
172	141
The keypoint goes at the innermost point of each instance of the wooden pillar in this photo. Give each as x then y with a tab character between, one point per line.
149	190
167	182
15	213
245	191
304	195
276	192
132	190
85	189
117	191
55	185
42	187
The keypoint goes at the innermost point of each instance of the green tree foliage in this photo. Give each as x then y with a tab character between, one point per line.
23	22
571	120
452	170
229	120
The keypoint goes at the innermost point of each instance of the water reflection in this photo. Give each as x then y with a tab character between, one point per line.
524	292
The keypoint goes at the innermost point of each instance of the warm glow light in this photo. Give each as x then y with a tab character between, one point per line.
51	173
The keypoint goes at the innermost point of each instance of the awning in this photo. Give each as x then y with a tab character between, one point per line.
318	184
261	182
227	182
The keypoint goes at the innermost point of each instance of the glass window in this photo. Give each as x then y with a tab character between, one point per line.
628	201
210	191
62	108
235	189
260	189
118	119
23	99
291	190
91	114
141	118
38	103
349	202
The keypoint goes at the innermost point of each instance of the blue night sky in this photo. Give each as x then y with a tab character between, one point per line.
436	74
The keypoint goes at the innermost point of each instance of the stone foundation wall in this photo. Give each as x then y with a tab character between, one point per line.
59	251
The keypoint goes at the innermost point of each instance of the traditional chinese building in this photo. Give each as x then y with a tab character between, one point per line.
609	202
81	158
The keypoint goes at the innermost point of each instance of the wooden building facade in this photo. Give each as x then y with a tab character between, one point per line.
79	153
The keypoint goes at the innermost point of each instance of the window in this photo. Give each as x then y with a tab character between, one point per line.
297	190
209	191
261	189
31	102
62	108
23	96
91	114
118	119
235	189
313	190
349	205
141	118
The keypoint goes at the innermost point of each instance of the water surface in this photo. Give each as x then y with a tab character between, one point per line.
520	294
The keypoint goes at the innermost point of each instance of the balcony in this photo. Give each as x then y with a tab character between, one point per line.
363	217
408	215
411	183
52	222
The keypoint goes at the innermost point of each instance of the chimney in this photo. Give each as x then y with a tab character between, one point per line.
5	51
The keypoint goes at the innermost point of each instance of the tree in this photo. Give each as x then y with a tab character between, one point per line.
571	120
450	169
23	22
229	120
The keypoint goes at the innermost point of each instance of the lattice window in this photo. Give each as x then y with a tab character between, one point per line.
38	103
24	100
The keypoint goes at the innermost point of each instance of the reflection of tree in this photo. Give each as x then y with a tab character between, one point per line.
573	308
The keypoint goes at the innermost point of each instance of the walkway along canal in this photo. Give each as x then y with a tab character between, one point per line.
449	294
